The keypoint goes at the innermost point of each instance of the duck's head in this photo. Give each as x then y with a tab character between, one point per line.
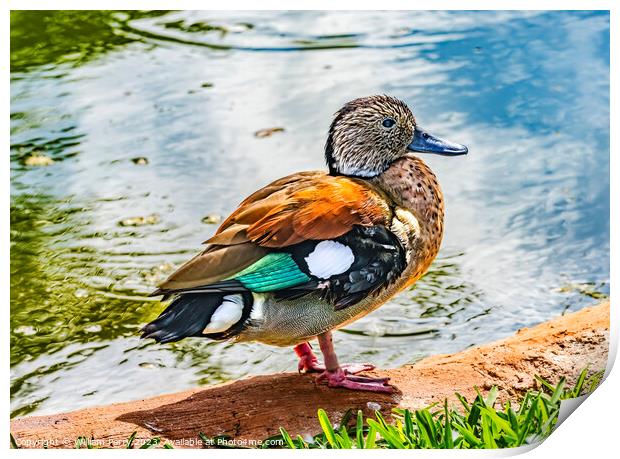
370	133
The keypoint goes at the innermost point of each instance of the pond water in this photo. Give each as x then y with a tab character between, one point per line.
527	226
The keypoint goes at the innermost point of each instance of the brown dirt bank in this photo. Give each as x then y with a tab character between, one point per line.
254	408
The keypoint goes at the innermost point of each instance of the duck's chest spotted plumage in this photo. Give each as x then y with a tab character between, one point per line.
413	188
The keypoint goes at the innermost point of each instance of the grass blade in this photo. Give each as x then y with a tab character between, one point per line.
468	435
327	427
206	441
447	431
426	427
131	439
527	423
287	438
150	443
393	442
487	433
500	423
579	384
14	444
371	438
557	394
410	433
463	401
359	429
491	397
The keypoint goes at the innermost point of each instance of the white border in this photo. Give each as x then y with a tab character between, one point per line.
591	431
313	5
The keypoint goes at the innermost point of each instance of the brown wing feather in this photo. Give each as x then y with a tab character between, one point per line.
311	205
293	209
214	264
262	201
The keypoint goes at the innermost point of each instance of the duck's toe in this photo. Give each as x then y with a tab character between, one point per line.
312	365
339	378
355	368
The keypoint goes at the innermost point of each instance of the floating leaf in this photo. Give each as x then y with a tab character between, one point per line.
38	160
211	219
140	221
140	160
25	330
268	132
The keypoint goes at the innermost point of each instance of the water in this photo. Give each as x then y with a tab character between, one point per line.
527	226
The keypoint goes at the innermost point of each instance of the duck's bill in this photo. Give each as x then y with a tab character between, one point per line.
423	142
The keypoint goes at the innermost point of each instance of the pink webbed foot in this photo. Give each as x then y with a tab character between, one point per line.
349	368
339	378
343	375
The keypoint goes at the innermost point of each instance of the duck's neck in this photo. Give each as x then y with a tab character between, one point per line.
411	184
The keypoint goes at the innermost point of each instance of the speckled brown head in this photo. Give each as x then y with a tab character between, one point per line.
370	133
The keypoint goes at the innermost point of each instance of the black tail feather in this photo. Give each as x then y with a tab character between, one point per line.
226	286
187	315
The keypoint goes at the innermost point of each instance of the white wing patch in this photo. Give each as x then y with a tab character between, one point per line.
226	315
329	258
257	312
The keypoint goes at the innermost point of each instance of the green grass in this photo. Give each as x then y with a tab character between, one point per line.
482	424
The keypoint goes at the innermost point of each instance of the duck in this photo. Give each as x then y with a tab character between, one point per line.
317	250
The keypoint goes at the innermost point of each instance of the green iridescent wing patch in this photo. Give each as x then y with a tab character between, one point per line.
275	271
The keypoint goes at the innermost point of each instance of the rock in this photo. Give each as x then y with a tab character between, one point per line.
140	160
373	406
268	132
140	221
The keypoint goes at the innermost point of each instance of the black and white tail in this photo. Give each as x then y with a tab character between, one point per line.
211	315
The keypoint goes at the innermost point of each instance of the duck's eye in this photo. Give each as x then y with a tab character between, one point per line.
388	123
